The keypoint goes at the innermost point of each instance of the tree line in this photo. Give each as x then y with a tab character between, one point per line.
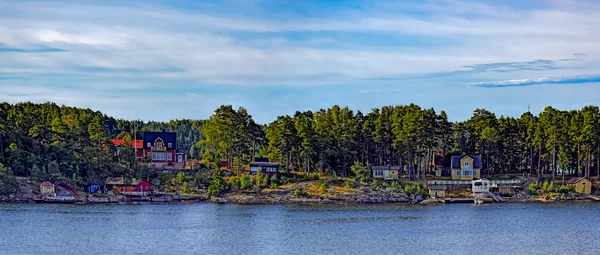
55	142
554	142
68	144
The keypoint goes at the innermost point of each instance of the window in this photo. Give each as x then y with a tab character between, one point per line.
583	184
158	156
393	172
466	163
457	173
170	145
169	156
148	145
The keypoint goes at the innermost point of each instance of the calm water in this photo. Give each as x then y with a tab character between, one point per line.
562	228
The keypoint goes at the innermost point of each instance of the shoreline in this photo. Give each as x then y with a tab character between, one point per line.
270	200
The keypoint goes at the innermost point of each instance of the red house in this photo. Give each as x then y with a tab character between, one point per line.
117	184
161	147
138	145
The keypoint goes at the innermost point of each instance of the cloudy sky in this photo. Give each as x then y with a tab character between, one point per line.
162	60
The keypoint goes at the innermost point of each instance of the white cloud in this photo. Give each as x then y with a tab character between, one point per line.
136	46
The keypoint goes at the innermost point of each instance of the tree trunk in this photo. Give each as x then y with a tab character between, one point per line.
578	161
553	159
539	160
598	163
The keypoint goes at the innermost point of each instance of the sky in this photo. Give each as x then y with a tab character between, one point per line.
163	60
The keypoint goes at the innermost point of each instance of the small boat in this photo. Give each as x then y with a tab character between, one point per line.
594	198
188	201
478	201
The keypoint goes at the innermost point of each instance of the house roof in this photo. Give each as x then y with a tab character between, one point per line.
46	184
264	164
167	137
385	167
577	179
137	144
261	159
456	161
120	181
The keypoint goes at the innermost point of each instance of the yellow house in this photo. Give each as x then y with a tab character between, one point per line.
436	190
385	172
466	167
582	185
47	189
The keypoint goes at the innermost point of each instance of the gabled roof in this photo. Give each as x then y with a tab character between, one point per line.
385	167
137	144
46	184
456	161
264	164
577	179
167	137
120	181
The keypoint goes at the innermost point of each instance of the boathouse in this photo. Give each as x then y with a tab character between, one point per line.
582	185
268	168
385	172
47	189
119	185
437	190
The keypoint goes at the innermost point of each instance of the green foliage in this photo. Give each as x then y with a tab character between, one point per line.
299	193
8	183
180	177
323	188
185	187
245	182
217	185
315	176
274	185
550	188
361	171
349	183
533	187
258	178
564	189
545	185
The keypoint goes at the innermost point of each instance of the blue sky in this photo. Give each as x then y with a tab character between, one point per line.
162	60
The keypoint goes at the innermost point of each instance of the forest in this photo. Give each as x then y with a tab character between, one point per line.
52	142
554	142
60	143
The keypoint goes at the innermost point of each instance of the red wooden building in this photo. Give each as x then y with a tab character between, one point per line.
138	145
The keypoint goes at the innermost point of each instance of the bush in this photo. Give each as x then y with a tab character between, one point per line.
348	185
565	189
185	188
550	188
245	182
323	188
315	176
180	177
545	185
217	186
258	178
533	187
299	193
274	185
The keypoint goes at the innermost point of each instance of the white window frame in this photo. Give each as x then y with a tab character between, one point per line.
149	144
170	145
169	157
